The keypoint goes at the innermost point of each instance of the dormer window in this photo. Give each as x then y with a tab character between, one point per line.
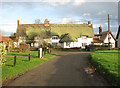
55	37
84	37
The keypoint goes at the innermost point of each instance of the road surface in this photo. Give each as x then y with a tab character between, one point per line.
66	69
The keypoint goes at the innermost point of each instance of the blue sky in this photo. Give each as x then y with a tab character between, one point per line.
58	11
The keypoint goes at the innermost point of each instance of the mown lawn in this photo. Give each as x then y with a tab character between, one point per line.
22	63
107	64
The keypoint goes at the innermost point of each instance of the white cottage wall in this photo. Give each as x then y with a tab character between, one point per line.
111	40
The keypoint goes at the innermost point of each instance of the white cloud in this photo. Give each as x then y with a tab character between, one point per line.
86	14
56	2
8	27
102	12
59	0
78	2
67	20
96	25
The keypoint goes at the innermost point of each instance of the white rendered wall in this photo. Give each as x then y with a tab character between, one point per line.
84	40
111	40
78	44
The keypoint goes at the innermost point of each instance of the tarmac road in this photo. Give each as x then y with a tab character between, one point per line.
66	69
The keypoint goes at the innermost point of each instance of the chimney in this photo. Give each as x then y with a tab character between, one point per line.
18	22
46	22
89	23
100	29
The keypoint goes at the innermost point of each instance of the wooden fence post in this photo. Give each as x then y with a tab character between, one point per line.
38	53
15	61
29	57
44	51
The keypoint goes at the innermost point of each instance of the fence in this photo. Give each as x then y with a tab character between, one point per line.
44	50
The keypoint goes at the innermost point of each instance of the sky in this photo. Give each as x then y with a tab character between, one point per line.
58	12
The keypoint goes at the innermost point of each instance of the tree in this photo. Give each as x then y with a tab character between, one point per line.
37	21
40	33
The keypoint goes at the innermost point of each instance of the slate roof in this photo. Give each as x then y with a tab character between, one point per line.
74	30
102	36
118	32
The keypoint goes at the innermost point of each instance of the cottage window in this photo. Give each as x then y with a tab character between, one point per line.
67	43
84	44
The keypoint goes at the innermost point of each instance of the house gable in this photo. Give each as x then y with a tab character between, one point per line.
112	40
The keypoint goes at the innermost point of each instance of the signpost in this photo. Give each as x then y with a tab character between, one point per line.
40	53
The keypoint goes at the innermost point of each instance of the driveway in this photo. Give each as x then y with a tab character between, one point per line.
66	69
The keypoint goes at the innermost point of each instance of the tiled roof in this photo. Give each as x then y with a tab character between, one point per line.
4	38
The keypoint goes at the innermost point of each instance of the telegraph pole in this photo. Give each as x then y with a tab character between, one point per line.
108	31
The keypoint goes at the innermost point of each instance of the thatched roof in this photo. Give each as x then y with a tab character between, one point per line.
66	38
74	30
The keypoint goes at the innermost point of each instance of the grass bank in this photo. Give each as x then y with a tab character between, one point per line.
106	63
22	64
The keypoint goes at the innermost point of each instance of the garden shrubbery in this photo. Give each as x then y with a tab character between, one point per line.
33	48
58	47
98	47
2	55
24	47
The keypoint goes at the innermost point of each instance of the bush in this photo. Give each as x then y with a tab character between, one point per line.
2	54
98	47
50	46
58	47
15	49
30	41
33	48
24	47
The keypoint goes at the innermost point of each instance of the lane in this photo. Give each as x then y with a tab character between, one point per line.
66	69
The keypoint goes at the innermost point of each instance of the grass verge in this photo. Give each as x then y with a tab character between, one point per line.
22	64
106	63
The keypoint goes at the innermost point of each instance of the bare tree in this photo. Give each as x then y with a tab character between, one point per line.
37	21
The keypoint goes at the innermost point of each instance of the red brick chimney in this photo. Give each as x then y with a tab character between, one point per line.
100	29
89	22
46	22
18	22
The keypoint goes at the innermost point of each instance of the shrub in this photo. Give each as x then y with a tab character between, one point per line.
2	54
30	41
15	49
33	48
58	47
50	46
24	47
